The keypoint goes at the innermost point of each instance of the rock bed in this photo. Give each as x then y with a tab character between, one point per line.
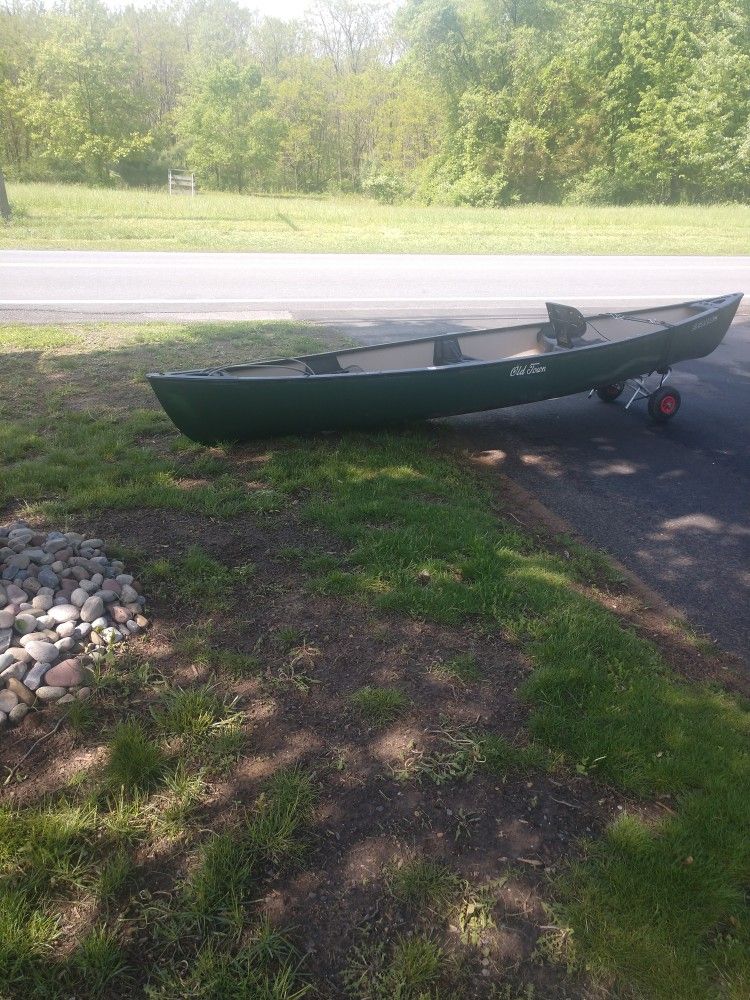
62	604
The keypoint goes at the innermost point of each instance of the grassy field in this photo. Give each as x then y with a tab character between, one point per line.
381	741
56	216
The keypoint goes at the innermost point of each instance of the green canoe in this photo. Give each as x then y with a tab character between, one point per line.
444	375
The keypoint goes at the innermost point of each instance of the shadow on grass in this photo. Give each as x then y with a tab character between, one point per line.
661	904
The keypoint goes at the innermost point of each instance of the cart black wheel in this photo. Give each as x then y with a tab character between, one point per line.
663	404
609	393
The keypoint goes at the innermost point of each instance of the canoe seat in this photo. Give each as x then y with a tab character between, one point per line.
448	352
567	323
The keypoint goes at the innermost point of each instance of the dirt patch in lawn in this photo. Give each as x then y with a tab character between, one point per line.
399	782
411	787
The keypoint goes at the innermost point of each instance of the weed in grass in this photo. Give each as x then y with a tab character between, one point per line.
279	814
28	931
421	882
473	915
238	666
463	668
219	973
296	669
195	640
183	792
458	761
136	762
287	637
114	874
81	718
125	817
415	967
122	673
464	824
191	712
217	889
195	580
379	705
408	969
97	966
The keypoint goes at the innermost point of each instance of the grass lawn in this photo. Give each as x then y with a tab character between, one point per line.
380	742
70	217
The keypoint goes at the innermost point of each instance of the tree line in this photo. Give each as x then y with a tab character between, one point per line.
482	102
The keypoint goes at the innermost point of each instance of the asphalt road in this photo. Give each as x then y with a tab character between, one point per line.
366	288
672	502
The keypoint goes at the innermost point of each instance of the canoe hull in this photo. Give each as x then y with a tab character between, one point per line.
216	408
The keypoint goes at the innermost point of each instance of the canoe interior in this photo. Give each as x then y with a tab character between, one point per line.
505	343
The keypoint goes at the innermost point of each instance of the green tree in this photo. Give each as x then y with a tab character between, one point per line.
77	97
227	127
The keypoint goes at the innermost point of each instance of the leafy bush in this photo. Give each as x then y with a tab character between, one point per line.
384	187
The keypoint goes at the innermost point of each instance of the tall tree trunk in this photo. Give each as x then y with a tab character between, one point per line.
4	203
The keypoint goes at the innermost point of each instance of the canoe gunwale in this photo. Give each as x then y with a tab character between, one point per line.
224	376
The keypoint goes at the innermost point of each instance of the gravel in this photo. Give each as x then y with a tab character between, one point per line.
63	603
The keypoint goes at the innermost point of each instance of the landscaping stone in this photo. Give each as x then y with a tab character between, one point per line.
8	701
18	712
79	597
60	598
65	612
25	623
20	690
15	669
68	673
128	595
42	652
34	677
47	693
47	578
92	609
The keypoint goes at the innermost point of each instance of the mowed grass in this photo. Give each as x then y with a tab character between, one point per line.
72	217
79	429
658	906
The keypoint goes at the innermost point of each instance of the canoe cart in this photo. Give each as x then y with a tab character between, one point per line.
607	354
